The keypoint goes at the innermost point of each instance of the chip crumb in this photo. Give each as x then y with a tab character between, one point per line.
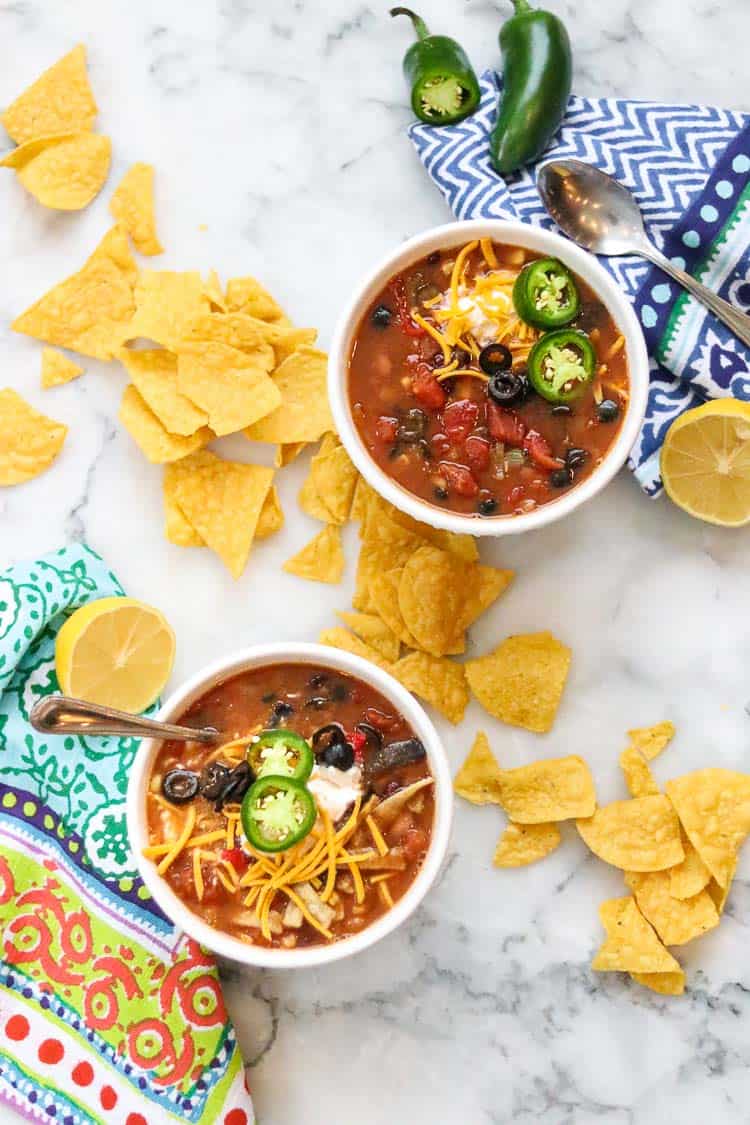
321	560
652	740
638	777
29	441
478	779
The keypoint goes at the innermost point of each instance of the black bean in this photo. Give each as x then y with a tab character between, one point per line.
382	316
439	492
488	506
575	457
339	692
607	411
317	702
268	697
561	478
318	679
433	258
561	410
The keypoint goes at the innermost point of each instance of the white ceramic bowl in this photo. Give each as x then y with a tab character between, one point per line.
543	242
198	685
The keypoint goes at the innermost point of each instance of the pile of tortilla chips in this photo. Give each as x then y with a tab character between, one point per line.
678	850
58	158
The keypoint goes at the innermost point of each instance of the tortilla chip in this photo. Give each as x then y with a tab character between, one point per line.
177	527
154	375
489	583
233	387
522	681
321	560
638	777
132	204
478	779
383	600
652	740
552	789
363	496
271	518
213	291
675	920
63	172
631	945
146	430
288	452
691	876
222	500
374	632
57	368
330	486
89	312
522	844
165	303
667	984
29	441
290	340
437	680
304	413
343	639
60	101
642	834
235	330
463	546
386	546
714	809
719	895
245	294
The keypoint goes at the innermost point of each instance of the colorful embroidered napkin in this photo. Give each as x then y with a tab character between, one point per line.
107	1014
688	168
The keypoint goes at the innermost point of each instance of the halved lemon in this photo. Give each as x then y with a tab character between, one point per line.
117	652
705	462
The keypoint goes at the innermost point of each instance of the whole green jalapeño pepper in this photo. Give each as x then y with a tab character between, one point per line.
561	365
276	813
545	294
281	752
444	87
537	68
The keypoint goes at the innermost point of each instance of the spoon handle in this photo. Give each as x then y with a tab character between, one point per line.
738	322
58	714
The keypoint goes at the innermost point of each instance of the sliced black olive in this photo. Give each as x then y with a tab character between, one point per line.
439	492
236	785
607	411
561	478
338	754
317	702
395	754
372	734
487	506
332	734
494	358
561	410
339	692
506	387
179	786
433	258
575	457
213	779
382	316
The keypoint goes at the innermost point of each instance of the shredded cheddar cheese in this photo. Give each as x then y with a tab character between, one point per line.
179	844
377	836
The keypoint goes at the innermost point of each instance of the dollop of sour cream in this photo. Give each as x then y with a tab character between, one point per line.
335	789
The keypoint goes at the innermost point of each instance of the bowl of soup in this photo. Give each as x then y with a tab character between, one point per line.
488	377
314	823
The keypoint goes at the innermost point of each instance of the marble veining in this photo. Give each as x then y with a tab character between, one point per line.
278	135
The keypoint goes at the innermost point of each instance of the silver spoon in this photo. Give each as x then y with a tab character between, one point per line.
58	714
601	215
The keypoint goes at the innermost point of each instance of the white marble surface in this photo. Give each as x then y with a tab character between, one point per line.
280	126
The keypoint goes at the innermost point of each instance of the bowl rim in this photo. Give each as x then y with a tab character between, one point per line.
514	233
279	653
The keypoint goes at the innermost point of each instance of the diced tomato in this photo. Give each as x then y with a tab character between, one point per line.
540	452
460	418
357	740
386	428
459	478
415	843
440	444
516	495
505	425
426	389
236	857
477	453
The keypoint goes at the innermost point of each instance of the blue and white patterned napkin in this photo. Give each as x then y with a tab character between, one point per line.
688	168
